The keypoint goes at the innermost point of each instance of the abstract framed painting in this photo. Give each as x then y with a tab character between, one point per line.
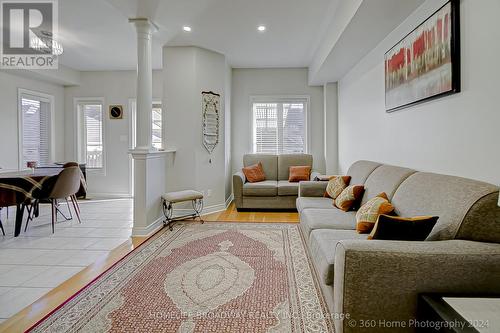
425	64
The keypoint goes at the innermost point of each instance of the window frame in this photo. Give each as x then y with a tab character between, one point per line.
21	92
306	99
77	101
132	139
132	106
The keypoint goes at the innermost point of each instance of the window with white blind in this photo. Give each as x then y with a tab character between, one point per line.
90	132
156	125
279	125
35	128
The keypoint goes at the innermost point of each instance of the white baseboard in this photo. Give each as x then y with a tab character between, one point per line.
205	211
149	230
158	224
91	195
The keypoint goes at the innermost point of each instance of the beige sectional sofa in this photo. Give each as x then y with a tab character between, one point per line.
380	280
276	192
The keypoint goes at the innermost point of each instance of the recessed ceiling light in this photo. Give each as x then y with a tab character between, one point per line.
261	28
186	28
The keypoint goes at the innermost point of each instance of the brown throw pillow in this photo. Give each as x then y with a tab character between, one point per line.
403	228
299	173
368	214
350	197
336	185
254	173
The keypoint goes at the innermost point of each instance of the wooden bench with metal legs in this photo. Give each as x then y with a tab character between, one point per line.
169	199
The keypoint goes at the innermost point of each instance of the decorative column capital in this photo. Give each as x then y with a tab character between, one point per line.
144	26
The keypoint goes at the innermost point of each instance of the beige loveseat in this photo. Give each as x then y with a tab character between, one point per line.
276	192
380	280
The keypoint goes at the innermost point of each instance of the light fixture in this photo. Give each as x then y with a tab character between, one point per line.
261	28
186	28
43	42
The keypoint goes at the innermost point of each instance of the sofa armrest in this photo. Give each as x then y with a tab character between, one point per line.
312	189
238	181
381	280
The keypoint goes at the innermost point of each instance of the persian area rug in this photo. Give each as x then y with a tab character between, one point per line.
214	277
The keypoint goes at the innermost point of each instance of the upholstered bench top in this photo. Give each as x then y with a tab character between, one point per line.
181	196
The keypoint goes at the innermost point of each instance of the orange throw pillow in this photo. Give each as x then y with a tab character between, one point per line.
367	215
254	173
299	173
350	196
336	185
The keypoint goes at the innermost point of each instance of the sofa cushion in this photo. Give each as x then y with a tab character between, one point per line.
482	222
267	188
385	178
360	170
269	164
314	202
451	198
285	161
322	245
312	219
288	188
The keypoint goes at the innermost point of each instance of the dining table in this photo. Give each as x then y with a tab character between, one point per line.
20	188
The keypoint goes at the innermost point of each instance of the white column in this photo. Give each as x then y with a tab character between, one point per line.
145	29
330	95
149	165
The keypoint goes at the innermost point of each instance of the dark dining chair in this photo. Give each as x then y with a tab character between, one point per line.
66	186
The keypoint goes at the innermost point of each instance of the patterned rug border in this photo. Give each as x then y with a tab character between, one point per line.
179	225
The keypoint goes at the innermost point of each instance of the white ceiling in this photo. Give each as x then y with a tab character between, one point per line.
369	23
96	34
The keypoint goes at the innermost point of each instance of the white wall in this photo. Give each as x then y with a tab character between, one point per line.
274	81
458	134
331	123
187	71
116	87
9	139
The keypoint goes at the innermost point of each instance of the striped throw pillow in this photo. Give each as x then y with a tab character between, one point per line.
368	214
349	197
336	185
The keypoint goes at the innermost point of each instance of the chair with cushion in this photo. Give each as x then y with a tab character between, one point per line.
66	186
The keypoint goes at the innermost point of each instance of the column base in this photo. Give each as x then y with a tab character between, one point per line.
150	168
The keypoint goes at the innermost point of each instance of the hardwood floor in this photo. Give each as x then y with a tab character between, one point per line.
232	215
30	315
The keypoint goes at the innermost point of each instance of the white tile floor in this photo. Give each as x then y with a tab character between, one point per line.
37	261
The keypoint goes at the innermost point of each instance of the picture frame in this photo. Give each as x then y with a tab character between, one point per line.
116	112
425	64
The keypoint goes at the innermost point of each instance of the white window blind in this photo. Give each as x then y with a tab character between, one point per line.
35	130
93	146
279	127
157	126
